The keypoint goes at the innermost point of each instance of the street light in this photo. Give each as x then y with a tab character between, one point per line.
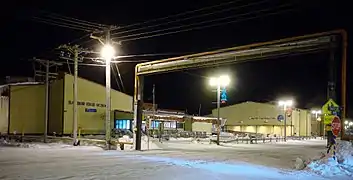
107	53
317	117
316	113
219	81
285	104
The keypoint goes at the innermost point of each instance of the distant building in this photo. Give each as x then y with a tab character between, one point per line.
17	79
266	118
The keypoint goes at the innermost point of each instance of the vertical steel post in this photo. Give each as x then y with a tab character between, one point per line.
46	101
139	112
75	119
285	122
218	111
107	96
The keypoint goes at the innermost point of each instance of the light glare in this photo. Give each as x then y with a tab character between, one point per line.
286	103
224	80
213	81
107	52
316	111
221	80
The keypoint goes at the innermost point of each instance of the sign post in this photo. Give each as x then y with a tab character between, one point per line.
336	129
329	110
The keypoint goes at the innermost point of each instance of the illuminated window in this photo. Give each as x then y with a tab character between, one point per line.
155	124
122	124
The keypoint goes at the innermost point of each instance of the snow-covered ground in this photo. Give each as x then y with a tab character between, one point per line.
173	160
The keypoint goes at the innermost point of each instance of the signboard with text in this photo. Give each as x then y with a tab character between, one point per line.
330	109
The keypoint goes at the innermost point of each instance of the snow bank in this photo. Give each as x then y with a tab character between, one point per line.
146	144
341	167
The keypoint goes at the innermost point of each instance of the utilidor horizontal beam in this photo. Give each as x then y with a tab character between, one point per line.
242	55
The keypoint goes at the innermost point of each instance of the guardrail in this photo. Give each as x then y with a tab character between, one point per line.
252	140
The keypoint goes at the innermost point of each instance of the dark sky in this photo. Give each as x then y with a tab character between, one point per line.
302	77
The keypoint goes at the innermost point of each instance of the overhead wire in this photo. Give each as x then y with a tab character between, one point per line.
75	22
119	75
116	78
63	24
192	17
202	22
71	19
179	14
207	26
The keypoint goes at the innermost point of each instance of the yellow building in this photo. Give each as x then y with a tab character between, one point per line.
265	118
26	107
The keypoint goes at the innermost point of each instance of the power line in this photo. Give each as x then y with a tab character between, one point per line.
116	78
208	26
203	22
75	22
180	14
120	78
71	19
63	24
192	17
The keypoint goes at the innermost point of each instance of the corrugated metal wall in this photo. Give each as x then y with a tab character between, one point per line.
4	114
27	105
91	106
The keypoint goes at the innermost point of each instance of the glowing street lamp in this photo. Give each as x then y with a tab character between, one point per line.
219	81
107	53
285	104
316	113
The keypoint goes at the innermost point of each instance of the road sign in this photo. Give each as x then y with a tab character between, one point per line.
224	97
280	117
330	109
336	125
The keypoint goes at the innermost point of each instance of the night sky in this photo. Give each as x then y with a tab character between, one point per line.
304	77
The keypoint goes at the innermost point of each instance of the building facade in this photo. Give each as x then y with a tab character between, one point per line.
22	109
25	104
266	119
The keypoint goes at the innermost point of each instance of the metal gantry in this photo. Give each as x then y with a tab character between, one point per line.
253	52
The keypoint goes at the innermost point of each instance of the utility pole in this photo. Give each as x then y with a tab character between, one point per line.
218	111
75	50
48	75
108	42
200	110
107	94
154	107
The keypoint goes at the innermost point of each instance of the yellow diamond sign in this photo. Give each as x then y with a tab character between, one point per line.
329	110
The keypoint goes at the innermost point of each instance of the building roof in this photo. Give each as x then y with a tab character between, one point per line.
252	102
5	86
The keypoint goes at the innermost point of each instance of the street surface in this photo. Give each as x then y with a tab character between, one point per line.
186	162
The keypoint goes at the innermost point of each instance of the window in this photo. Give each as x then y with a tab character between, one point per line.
180	125
122	124
155	124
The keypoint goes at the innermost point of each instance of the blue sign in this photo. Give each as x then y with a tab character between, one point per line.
333	109
90	110
280	117
224	97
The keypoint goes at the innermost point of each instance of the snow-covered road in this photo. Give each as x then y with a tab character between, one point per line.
192	161
279	155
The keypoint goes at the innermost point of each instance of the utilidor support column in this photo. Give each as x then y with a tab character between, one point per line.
138	123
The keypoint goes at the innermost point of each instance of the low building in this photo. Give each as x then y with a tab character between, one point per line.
22	109
264	118
26	107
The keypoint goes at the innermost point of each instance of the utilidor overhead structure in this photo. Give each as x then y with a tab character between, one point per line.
284	47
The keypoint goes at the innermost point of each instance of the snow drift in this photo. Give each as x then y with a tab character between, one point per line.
341	167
